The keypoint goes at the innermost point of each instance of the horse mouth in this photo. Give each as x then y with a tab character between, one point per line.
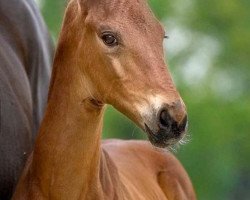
161	139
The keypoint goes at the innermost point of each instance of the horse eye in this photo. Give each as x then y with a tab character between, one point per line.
109	39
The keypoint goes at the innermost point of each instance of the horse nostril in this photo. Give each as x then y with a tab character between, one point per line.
168	123
165	119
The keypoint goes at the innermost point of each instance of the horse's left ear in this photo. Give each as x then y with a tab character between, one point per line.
86	4
79	6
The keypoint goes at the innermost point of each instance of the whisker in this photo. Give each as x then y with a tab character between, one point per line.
186	139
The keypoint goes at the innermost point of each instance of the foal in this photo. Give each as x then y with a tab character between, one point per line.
109	52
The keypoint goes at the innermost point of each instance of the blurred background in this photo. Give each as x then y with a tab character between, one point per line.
208	52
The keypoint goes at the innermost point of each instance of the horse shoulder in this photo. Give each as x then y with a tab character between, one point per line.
173	178
162	172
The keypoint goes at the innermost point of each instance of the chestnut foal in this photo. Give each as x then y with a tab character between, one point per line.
109	52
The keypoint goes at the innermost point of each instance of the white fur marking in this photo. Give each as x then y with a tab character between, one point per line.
153	103
118	67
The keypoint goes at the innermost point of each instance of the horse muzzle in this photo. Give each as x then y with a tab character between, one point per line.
167	127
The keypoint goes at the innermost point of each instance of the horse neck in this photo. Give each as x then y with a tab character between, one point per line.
67	153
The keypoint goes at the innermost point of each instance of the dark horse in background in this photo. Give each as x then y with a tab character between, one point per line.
25	58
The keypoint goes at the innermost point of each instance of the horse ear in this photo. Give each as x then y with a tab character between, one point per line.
80	7
87	3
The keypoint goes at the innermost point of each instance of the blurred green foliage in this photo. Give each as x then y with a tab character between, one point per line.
208	54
